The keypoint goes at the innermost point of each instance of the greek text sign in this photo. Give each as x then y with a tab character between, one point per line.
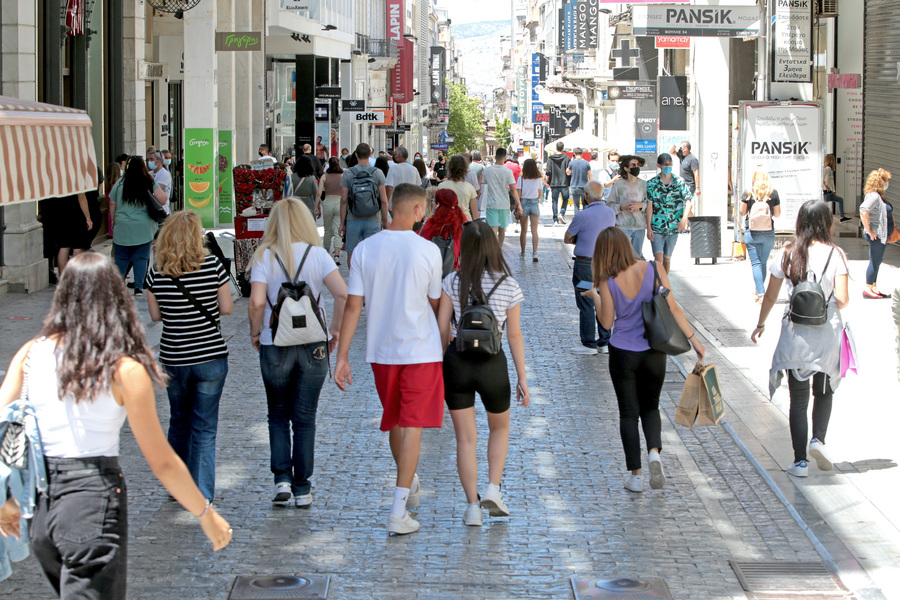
695	21
238	41
792	41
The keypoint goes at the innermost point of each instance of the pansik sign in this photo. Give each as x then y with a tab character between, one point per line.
694	21
792	41
786	141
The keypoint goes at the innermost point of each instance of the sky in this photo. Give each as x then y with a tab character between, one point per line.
473	11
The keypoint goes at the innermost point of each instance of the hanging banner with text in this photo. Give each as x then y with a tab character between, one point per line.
225	186
199	174
673	101
785	139
792	41
402	72
438	79
694	21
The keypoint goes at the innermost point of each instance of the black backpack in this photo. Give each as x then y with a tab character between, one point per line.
477	329
363	197
808	304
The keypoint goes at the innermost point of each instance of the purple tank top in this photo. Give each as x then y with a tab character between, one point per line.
628	328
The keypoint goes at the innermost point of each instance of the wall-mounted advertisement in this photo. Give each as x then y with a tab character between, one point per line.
785	141
199	175
792	41
225	187
695	21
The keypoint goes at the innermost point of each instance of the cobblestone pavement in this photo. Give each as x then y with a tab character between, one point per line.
563	483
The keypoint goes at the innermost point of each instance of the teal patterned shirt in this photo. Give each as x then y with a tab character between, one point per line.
668	203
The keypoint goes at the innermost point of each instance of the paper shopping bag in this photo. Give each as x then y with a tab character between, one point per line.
712	406
848	352
689	404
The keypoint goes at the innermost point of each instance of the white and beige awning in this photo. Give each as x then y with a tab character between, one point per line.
46	151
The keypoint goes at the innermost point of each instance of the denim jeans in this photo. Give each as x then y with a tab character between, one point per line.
821	413
637	240
293	377
759	246
357	230
139	256
587	314
876	255
554	195
578	198
79	533
638	379
832	197
194	393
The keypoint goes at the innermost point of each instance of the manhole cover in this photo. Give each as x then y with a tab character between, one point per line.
785	580
276	587
623	588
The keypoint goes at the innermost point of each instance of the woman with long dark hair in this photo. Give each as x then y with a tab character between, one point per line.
483	273
383	164
91	368
134	228
628	200
306	187
457	168
419	164
330	185
622	283
810	354
875	214
531	187
446	222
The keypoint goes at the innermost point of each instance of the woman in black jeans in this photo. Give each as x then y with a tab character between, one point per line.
811	354
874	213
101	371
621	284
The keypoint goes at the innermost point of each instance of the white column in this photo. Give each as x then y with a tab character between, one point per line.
200	94
226	89
257	87
134	99
244	136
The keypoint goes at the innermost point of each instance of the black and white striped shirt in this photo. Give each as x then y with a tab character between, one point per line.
188	337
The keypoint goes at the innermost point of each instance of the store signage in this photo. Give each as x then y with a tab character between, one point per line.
536	105
373	117
570	26
641	90
673	41
238	41
225	185
321	112
74	17
644	147
528	143
695	21
402	72
673	101
328	93
586	24
542	117
539	131
151	70
785	139
792	41
843	82
438	81
200	157
645	1
353	105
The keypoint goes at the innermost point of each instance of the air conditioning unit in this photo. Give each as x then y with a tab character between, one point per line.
826	8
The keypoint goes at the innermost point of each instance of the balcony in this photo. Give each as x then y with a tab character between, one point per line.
376	48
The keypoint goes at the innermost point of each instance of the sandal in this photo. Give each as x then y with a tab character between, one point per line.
872	296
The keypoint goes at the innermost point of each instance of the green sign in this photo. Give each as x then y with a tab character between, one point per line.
199	175
225	186
238	41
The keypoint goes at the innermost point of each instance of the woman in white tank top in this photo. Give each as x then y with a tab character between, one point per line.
94	342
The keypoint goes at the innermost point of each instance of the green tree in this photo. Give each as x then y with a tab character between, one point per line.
466	121
502	133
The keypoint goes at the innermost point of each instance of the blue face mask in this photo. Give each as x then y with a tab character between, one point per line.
167	162
667	170
151	164
887	185
614	166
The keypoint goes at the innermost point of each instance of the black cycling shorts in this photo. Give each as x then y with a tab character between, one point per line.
466	373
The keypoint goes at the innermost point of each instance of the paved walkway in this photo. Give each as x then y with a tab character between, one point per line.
563	483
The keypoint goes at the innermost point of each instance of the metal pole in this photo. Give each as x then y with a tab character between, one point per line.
762	83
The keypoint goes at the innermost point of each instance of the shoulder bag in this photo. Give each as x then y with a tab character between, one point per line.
14	449
197	304
660	327
155	209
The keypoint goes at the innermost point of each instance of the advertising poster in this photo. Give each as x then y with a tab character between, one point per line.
199	175
695	21
792	41
225	186
786	141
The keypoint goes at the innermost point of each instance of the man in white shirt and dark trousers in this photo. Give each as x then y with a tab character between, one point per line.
392	269
401	172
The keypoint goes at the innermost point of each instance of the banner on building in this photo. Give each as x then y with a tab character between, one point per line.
587	22
673	101
402	72
570	26
682	42
438	79
641	90
523	92
646	129
792	41
536	105
199	174
784	139
353	106
225	183
696	21
561	28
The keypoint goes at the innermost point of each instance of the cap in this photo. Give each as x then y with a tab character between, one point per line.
663	158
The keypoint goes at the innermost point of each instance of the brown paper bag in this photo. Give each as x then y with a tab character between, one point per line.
689	404
712	406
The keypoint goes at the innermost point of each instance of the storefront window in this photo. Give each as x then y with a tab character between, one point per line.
285	108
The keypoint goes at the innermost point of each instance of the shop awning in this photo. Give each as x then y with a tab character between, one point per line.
546	97
45	151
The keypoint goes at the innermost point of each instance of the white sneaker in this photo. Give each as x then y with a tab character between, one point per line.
584	351
817	451
657	474
798	469
472	516
634	483
304	501
412	501
283	493
492	500
402	525
603	349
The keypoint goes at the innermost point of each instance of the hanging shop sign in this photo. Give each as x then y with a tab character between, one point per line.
785	139
682	42
438	81
402	72
199	175
673	101
792	41
641	90
353	105
328	93
695	21
238	41
373	117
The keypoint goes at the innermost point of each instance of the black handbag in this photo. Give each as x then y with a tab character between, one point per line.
660	327
155	209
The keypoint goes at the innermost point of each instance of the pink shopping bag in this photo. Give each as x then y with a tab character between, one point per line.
848	352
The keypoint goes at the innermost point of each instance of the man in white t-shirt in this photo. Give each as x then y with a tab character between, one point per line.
498	183
473	176
398	275
161	176
401	172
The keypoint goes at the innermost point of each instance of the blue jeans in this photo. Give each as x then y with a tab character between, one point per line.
578	198
876	255
587	314
293	376
637	240
759	246
554	194
139	256
194	393
832	197
358	230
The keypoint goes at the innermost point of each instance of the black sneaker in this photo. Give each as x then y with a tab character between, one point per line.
845	219
138	292
130	285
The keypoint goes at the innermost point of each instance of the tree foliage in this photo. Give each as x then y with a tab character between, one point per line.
466	121
502	133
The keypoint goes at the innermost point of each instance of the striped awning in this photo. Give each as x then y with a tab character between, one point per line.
45	151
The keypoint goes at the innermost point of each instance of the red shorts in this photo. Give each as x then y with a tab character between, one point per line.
411	395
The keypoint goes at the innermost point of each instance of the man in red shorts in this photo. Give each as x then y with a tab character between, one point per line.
398	274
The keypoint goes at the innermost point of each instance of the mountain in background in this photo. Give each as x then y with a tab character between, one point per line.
479	52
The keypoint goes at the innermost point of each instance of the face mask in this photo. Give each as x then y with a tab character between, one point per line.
635	171
151	165
260	153
887	185
614	166
667	170
167	162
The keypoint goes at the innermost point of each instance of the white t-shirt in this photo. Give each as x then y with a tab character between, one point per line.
164	180
402	173
530	188
507	295
596	169
818	256
317	267
397	272
495	184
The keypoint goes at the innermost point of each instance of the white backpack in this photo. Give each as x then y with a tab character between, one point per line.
296	317
760	218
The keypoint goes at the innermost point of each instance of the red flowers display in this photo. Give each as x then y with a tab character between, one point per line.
246	181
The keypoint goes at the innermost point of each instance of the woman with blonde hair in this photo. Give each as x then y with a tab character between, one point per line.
291	250
759	225
187	289
875	212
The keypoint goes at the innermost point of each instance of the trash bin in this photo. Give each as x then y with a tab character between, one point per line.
706	238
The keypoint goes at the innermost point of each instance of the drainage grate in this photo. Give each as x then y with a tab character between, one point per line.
766	579
278	587
589	588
